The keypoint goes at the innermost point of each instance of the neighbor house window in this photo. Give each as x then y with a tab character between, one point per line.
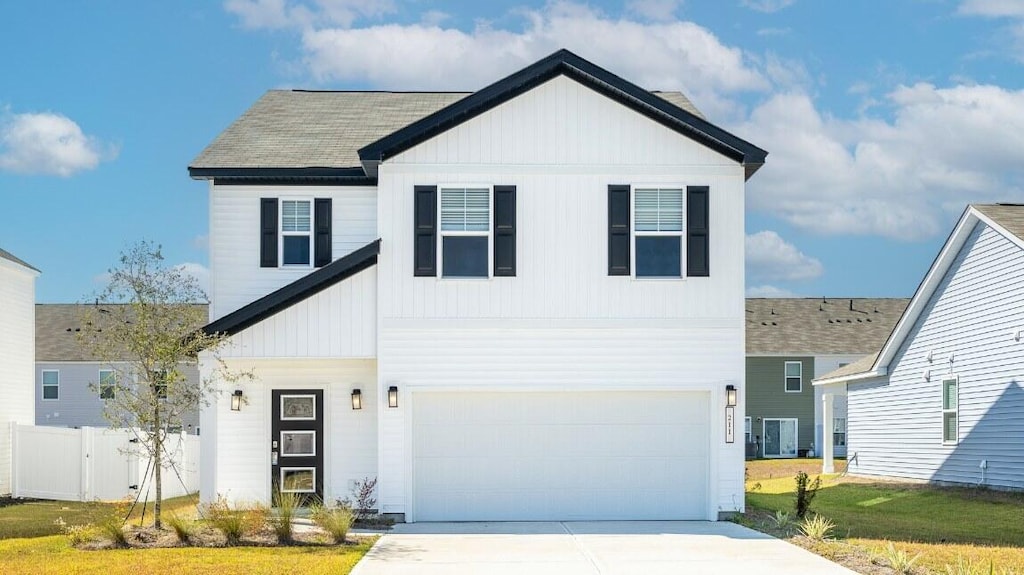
748	429
296	232
658	232
794	376
465	232
950	410
160	384
51	384
839	432
107	381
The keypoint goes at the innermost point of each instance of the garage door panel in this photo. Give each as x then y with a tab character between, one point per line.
553	455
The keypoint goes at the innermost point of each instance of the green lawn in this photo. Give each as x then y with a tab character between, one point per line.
36	518
939	522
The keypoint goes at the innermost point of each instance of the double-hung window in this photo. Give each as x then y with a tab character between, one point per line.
107	383
465	232
794	376
839	432
296	232
950	410
658	231
51	384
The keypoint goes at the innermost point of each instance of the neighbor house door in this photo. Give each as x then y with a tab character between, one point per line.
297	443
780	437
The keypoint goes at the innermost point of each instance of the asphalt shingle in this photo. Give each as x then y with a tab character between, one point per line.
814	326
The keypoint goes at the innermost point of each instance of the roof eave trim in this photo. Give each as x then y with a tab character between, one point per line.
312	172
566	63
297	291
19	265
876	373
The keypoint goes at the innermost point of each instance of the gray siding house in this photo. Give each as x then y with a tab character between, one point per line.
67	377
790	341
942	400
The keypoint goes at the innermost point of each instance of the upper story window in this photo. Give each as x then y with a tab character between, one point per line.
159	384
658	232
107	383
950	410
465	232
296	232
51	384
794	376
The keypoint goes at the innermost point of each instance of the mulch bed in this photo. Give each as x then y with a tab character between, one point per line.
153	538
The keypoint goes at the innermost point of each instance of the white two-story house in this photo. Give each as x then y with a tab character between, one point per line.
17	355
521	303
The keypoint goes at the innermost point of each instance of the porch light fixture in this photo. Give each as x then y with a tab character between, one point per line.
393	396
236	400
730	395
357	399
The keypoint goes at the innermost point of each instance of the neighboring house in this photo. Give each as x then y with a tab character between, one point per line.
521	303
18	294
69	378
943	400
790	341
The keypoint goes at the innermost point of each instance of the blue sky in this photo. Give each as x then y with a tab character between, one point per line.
883	119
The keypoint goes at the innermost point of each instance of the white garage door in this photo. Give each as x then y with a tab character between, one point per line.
560	456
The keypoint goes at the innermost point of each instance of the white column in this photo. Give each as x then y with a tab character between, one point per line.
827	465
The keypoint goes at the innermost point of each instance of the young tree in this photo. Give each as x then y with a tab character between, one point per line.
145	326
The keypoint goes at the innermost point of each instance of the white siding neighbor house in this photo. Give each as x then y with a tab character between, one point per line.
943	400
521	303
17	354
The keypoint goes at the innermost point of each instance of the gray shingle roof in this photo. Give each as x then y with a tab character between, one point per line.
304	129
818	326
6	255
57	327
862	365
1010	216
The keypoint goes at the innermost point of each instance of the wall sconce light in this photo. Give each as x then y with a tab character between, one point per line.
730	395
236	400
393	396
357	399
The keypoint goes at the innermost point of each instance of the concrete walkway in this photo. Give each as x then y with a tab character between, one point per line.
588	548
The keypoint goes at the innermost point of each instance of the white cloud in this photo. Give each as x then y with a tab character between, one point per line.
769	291
774	31
661	55
656	10
899	178
771	258
198	271
48	143
767	5
299	14
992	8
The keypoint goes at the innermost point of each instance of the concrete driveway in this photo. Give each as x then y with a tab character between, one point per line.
588	548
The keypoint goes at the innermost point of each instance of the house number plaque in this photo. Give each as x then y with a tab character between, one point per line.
730	424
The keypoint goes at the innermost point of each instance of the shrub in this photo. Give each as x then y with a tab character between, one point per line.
900	561
184	529
363	500
287	504
334	521
234	523
805	492
76	534
817	528
782	520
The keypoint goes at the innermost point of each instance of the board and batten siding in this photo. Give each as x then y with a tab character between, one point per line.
236	447
17	357
338	322
78	404
561	323
968	327
767	396
236	277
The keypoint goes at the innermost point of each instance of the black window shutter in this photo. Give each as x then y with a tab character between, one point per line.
322	232
504	230
268	232
425	233
618	230
697	227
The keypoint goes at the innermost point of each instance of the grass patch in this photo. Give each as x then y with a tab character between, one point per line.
941	523
54	556
37	518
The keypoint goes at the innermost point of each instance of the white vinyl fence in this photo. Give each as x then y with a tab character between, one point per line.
94	463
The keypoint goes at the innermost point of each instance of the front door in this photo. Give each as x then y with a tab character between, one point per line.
780	438
297	443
